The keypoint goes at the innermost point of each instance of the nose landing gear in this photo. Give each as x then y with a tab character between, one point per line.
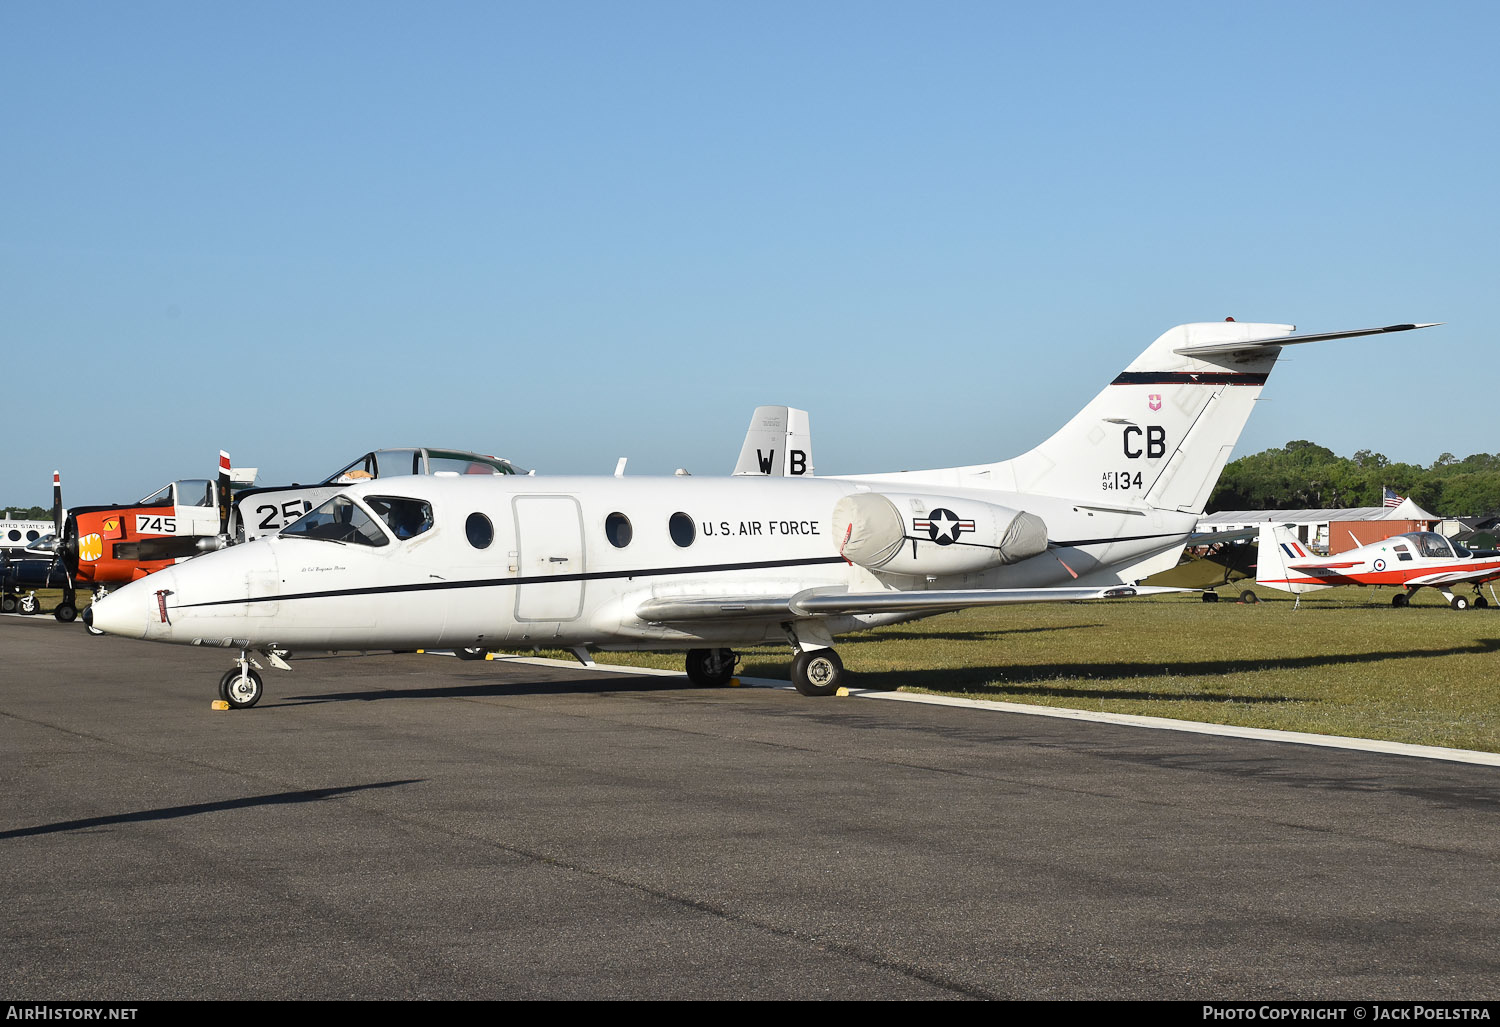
241	686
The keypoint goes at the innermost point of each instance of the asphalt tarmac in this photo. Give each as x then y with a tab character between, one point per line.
414	826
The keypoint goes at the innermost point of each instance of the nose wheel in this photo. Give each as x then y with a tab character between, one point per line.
241	688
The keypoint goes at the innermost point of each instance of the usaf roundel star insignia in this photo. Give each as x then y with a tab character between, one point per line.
942	526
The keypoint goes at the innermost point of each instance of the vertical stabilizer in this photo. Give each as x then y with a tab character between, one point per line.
1278	545
778	444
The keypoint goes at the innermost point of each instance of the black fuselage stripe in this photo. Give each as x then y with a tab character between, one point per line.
1106	541
1190	378
532	579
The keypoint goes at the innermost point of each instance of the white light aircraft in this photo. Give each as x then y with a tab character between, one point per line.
1417	559
704	564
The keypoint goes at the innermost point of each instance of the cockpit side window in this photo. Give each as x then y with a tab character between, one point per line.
195	492
338	520
407	518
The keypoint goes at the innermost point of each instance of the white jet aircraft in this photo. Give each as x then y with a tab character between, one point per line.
704	564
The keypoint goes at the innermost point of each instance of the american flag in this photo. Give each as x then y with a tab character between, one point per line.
1391	499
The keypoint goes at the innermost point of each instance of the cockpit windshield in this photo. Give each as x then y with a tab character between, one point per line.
1430	543
338	520
407	518
161	497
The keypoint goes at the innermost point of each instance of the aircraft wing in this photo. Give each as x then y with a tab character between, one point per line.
1457	576
816	603
1208	538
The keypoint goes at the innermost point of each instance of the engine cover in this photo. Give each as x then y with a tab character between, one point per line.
907	533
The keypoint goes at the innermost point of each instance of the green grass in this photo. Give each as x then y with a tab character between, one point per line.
1345	663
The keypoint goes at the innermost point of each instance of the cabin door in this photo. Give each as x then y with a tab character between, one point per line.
549	558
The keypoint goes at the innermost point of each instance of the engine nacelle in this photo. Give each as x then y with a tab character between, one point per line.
905	533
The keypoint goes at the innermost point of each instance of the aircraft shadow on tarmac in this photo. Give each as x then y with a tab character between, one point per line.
992	681
1041	678
198	808
585	683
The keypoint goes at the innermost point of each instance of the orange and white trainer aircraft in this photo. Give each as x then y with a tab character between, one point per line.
1418	559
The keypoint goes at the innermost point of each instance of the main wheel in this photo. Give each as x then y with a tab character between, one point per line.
1480	602
240	691
817	672
66	612
471	654
1210	597
1400	599
29	605
1459	603
710	668
8	604
1249	597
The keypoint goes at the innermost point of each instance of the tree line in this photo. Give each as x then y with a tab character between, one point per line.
1304	475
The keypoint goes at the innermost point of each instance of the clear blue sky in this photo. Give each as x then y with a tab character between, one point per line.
567	232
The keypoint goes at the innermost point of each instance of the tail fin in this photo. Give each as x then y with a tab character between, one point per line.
1277	546
778	444
1161	432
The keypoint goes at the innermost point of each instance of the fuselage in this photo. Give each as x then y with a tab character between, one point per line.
566	562
1415	558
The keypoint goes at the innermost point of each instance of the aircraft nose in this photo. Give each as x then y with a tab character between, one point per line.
130	611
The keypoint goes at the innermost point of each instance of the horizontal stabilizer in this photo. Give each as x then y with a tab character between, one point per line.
816	603
1250	345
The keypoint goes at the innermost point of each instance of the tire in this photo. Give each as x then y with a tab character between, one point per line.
710	668
471	654
240	695
1480	602
1210	597
29	605
1249	598
9	604
1459	603
1400	599
67	613
817	672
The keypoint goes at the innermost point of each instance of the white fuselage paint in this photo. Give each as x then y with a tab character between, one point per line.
550	577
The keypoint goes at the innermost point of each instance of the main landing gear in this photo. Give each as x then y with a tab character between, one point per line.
817	672
711	668
1457	602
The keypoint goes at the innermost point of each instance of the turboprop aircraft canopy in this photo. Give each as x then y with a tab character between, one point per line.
188	492
386	463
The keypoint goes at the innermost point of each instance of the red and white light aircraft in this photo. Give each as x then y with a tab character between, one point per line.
704	564
1418	559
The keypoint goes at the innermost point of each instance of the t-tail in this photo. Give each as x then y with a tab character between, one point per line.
1158	435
